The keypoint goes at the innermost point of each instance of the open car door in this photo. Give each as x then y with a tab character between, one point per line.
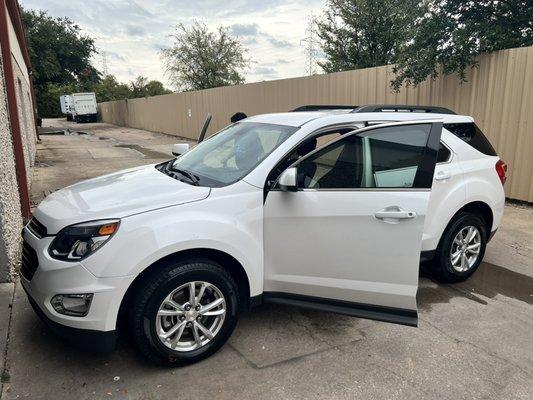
346	237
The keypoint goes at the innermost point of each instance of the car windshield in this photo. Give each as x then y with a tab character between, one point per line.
230	154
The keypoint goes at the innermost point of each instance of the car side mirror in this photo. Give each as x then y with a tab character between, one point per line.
180	148
287	180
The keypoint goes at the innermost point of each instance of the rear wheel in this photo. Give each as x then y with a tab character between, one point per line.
461	248
185	313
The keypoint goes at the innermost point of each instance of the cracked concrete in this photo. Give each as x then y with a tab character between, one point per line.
474	340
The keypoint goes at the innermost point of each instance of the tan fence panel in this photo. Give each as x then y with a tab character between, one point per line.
498	94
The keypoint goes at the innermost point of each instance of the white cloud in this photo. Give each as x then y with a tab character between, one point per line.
132	32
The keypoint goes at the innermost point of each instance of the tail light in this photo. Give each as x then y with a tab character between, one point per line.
501	170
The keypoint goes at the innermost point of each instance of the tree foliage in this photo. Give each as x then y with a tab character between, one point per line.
454	32
60	56
421	36
202	59
109	89
365	33
142	87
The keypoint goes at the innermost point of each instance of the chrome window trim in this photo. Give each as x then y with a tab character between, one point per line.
450	158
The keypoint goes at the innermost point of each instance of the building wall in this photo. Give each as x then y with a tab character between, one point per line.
498	94
10	216
27	121
10	201
24	103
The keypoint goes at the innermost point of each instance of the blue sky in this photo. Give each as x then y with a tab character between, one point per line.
132	32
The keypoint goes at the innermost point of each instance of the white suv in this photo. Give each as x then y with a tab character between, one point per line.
330	209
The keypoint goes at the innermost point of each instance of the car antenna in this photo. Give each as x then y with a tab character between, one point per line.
204	128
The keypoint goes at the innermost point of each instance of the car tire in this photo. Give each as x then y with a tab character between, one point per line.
147	325
444	268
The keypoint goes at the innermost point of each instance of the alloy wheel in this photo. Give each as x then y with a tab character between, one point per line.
465	249
190	316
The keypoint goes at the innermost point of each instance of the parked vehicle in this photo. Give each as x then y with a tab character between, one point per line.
85	108
67	103
331	209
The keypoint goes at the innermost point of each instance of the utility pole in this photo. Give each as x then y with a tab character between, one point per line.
311	45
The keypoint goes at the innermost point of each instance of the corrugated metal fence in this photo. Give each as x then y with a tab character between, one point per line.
498	94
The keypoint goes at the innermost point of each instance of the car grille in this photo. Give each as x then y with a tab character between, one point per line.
30	262
37	228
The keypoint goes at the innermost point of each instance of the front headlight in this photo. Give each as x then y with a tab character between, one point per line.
76	242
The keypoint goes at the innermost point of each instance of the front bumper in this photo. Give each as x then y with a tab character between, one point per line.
57	277
87	339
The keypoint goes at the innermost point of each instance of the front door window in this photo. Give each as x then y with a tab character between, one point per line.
382	158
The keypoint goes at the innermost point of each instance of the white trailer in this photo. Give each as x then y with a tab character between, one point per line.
85	109
67	103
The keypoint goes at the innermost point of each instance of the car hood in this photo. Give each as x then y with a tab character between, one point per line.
116	195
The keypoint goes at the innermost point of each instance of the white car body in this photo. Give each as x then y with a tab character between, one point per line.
271	240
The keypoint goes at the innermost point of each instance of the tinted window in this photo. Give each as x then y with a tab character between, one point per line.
304	148
381	158
443	154
471	134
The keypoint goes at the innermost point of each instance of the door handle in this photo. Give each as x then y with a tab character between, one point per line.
394	213
442	175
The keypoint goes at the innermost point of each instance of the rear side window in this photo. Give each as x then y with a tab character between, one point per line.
471	134
444	154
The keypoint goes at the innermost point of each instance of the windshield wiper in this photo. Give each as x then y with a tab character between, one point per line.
190	176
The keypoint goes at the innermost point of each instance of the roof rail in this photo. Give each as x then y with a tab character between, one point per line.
316	107
403	108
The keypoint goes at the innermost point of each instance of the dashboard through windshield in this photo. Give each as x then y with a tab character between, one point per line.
229	155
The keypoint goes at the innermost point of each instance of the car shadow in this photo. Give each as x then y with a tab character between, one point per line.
318	330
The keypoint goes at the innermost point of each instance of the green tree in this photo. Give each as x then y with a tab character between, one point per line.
454	32
142	87
48	98
202	59
138	86
156	88
109	89
60	56
365	33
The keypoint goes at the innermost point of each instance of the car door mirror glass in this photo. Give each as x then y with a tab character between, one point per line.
287	180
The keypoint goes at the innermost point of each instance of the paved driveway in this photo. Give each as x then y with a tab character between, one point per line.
474	341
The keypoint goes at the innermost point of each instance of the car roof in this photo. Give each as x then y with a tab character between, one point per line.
298	119
288	118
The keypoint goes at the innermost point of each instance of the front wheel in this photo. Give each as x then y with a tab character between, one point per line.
461	248
185	313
